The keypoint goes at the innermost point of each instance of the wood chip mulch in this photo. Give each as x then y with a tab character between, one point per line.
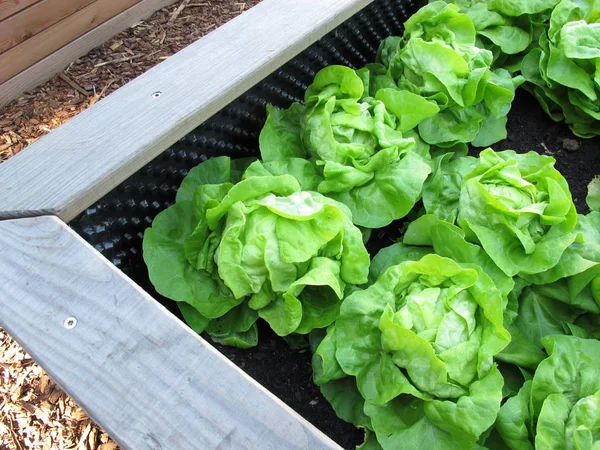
34	412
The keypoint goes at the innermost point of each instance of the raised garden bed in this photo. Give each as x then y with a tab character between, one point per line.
114	226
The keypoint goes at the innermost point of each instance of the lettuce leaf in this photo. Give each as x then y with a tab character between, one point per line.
254	245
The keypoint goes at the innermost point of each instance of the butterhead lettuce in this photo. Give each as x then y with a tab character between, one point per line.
562	69
355	144
518	207
256	247
438	58
419	343
560	407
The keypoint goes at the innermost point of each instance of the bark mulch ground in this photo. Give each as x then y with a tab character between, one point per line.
34	412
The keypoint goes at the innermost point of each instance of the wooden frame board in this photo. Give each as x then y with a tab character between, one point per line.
10	7
39	16
136	369
81	161
46	68
44	43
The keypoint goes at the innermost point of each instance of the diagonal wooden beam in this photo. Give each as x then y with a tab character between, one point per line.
137	370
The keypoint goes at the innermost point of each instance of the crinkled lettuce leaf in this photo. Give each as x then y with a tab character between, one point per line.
518	207
254	245
354	143
438	58
561	70
559	408
419	343
593	195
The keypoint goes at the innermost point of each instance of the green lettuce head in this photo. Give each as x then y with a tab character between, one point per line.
262	247
562	70
517	206
560	407
438	59
355	143
420	343
566	298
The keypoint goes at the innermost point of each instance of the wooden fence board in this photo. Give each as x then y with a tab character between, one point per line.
81	161
46	68
21	56
10	7
27	23
137	370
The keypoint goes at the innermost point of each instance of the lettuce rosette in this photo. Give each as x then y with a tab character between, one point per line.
411	357
518	207
562	70
562	300
355	144
559	409
231	251
438	58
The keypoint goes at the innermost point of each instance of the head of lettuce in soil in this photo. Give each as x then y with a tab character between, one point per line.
231	250
559	408
411	357
518	207
368	131
440	59
355	144
562	68
562	300
553	45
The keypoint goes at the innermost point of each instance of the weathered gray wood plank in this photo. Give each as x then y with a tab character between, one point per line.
135	368
81	161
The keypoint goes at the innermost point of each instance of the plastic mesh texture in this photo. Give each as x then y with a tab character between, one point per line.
115	224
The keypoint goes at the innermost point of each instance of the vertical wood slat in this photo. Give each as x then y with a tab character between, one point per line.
46	68
138	371
10	7
66	171
21	56
29	22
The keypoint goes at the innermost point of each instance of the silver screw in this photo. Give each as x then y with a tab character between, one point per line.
157	94
70	323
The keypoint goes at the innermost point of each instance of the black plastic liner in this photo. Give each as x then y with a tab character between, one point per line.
115	225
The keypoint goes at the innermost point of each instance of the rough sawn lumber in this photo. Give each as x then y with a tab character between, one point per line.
136	369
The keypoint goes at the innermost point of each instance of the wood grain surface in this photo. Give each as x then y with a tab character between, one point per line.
75	165
10	7
138	371
38	17
46	68
21	56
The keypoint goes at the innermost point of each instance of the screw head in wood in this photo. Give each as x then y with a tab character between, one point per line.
70	323
157	94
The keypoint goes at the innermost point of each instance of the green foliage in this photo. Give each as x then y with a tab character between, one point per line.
561	69
262	247
559	407
438	58
419	344
518	207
